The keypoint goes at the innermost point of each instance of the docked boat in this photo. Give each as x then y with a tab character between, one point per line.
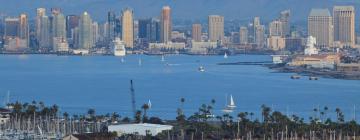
201	69
295	77
162	58
118	47
313	78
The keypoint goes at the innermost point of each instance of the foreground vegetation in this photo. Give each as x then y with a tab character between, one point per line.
200	125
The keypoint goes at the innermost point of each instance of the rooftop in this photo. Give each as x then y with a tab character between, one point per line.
320	12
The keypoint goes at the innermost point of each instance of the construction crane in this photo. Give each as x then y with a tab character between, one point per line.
132	93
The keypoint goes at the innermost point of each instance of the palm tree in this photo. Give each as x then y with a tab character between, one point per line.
138	116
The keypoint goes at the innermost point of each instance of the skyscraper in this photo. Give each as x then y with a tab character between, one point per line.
166	25
320	26
276	28
216	28
24	28
285	19
344	25
59	25
149	29
196	32
243	33
111	20
39	13
85	32
72	21
12	26
128	28
260	35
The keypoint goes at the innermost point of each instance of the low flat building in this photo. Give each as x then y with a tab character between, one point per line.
91	136
350	67
202	47
140	129
171	45
316	61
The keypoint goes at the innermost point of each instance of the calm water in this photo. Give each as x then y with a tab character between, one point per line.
79	83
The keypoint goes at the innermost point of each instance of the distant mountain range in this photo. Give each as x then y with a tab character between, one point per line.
182	9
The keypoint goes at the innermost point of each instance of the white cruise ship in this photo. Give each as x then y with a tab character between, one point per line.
118	47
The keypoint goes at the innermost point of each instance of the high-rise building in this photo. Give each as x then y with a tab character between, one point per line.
59	25
55	10
320	26
166	25
72	21
196	32
344	25
243	33
260	35
216	28
149	29
12	26
44	37
111	23
85	32
285	22
128	28
24	27
40	12
276	28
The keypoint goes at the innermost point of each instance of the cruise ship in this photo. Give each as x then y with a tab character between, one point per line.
118	47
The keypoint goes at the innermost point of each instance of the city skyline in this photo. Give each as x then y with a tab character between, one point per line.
231	9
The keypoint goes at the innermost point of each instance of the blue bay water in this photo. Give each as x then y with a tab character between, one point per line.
102	82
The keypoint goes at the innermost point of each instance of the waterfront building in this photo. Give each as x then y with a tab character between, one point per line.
276	43
320	26
321	61
170	45
85	32
202	47
12	26
243	33
310	46
128	28
344	25
60	44
216	28
95	32
166	25
196	32
15	34
142	129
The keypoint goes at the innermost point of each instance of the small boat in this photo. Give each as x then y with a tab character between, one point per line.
313	78
225	55
201	69
295	77
122	60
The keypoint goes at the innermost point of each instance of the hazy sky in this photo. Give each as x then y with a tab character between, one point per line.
182	9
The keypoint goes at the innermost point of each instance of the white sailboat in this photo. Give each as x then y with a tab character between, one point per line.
149	103
229	107
225	55
140	62
162	58
122	60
